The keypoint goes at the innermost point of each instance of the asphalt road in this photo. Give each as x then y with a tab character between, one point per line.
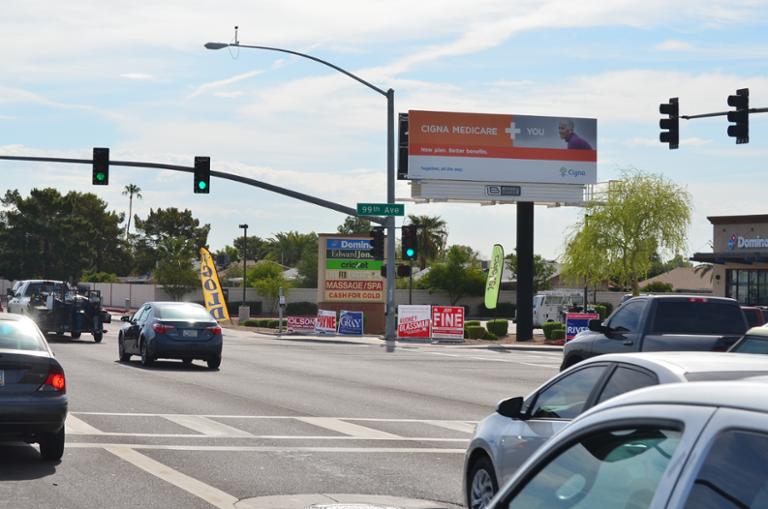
279	418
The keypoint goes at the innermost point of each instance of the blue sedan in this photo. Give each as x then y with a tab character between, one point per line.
171	330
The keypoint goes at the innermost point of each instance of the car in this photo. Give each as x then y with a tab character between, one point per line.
675	446
505	439
33	388
171	330
754	341
755	316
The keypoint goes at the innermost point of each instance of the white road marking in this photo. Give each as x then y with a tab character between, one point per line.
75	426
464	427
555	363
346	428
234	448
206	426
213	496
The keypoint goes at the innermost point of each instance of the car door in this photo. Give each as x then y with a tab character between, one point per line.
625	332
547	412
131	332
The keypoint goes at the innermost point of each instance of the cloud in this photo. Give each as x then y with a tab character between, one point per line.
137	76
674	45
207	87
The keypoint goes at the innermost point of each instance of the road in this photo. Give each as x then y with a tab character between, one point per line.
279	418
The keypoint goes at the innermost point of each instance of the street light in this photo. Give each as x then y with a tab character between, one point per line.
389	332
245	253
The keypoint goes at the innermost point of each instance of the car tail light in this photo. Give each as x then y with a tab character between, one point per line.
161	328
56	382
214	330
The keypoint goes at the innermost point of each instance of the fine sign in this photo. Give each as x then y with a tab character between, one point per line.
380	209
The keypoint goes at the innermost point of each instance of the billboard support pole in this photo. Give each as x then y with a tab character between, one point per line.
524	271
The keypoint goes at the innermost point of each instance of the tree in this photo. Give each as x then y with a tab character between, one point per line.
174	267
267	277
640	214
658	266
543	270
354	224
287	248
131	190
308	268
256	247
582	263
703	269
432	237
458	276
170	223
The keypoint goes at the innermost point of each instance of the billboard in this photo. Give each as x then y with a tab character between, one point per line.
347	271
478	147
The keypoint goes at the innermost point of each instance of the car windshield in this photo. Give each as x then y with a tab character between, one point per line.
43	286
182	312
751	344
20	335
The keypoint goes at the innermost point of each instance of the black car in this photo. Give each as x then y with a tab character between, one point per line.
33	389
171	330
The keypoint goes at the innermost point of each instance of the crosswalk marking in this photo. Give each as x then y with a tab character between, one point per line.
346	428
75	426
206	426
247	448
454	426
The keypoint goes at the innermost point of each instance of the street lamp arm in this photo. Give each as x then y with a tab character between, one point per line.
220	45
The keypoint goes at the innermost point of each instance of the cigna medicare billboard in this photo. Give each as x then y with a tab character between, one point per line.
496	148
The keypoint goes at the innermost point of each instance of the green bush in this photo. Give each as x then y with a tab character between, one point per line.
472	323
498	328
301	309
250	323
491	336
549	327
608	308
657	287
557	334
476	332
601	310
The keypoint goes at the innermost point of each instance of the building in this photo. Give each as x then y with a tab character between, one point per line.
739	258
683	280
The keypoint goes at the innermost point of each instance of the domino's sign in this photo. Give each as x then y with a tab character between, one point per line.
577	322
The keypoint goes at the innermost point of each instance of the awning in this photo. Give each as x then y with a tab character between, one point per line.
722	257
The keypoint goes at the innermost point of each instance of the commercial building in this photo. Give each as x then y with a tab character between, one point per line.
740	258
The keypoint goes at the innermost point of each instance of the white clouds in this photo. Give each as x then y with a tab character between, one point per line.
674	45
137	76
206	87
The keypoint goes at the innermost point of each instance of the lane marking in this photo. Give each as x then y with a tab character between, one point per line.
394	438
346	428
233	448
206	426
213	496
75	426
464	427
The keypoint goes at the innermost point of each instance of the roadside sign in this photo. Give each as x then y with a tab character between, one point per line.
577	322
448	322
381	209
413	321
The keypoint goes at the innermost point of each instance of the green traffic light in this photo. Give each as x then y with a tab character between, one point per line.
201	185
410	252
100	176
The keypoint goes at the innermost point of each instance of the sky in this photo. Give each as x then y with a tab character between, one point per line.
134	76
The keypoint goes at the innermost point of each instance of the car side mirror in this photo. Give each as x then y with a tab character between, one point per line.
125	318
9	292
596	325
511	408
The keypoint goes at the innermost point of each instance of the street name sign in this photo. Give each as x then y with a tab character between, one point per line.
381	209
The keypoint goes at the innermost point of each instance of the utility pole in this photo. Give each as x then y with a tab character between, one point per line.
244	312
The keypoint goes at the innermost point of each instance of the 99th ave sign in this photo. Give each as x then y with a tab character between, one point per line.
381	209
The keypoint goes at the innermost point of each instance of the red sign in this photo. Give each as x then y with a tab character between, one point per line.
342	284
301	323
413	322
448	322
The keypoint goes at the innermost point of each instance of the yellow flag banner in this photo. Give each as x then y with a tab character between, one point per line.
212	294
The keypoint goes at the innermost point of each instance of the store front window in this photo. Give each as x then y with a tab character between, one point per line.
749	287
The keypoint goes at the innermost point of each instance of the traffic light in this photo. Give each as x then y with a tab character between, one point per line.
377	243
671	124
739	130
410	242
100	166
403	270
202	174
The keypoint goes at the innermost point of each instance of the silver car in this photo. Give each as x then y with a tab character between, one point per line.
508	437
677	446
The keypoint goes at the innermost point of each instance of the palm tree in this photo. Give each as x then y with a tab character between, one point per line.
432	237
131	190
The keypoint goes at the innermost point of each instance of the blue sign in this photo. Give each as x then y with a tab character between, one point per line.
577	322
351	323
349	244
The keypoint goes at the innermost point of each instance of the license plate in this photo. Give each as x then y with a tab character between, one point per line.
189	333
2	377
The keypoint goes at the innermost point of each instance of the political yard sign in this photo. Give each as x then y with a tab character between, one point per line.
577	322
351	323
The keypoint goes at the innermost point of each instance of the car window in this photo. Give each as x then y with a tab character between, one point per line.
698	316
20	335
627	318
625	379
140	314
733	473
610	469
183	312
751	344
565	399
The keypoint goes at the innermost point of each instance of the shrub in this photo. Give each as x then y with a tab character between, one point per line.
658	287
491	336
476	332
471	323
250	323
557	334
301	309
608	308
601	310
549	327
502	309
498	328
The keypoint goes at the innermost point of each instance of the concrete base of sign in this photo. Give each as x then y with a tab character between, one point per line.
243	313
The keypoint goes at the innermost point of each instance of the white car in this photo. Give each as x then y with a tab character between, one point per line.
675	446
507	438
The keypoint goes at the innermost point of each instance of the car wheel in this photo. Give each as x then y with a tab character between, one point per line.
98	336
481	484
214	362
124	357
52	445
146	359
75	335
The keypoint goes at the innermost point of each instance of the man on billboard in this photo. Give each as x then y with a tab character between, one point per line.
574	140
